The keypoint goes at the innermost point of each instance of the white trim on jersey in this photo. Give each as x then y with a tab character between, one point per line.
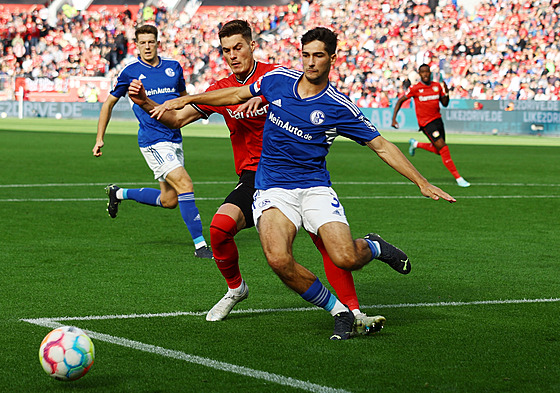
286	72
342	99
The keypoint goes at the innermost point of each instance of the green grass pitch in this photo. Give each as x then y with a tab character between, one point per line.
480	311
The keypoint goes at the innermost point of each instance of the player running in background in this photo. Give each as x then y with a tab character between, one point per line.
235	213
161	146
427	95
305	114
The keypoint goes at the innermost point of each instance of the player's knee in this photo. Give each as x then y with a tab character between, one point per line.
222	230
346	261
169	203
281	264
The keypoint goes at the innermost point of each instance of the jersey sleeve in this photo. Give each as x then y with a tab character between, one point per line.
353	124
409	92
181	84
121	87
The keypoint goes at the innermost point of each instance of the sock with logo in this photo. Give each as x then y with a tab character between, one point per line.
147	196
448	162
320	296
191	217
427	146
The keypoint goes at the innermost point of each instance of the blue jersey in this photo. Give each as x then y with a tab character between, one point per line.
162	82
298	132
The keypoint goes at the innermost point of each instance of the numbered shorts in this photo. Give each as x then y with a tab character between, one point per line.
307	207
163	157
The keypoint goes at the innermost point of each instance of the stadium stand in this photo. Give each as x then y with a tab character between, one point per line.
505	49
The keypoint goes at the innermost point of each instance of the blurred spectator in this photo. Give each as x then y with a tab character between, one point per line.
504	50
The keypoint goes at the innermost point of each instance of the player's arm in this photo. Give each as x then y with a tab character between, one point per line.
104	117
392	155
173	119
444	99
219	97
398	105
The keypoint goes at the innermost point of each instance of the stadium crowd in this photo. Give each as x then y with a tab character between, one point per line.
506	49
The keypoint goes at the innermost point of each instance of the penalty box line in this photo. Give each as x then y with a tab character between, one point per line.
54	323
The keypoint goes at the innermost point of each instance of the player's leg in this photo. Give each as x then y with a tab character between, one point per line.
181	182
234	215
437	135
227	221
148	196
277	233
342	282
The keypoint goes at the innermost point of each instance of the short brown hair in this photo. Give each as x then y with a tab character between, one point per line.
237	26
146	29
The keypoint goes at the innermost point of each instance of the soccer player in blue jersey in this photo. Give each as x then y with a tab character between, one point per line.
293	185
161	146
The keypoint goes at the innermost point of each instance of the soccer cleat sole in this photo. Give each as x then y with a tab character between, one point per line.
391	255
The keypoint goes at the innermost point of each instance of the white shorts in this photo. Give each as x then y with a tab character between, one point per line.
310	207
163	157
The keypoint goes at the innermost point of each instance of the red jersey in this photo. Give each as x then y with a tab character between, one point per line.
426	101
245	131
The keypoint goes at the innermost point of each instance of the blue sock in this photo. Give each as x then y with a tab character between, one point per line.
374	247
147	196
320	296
191	216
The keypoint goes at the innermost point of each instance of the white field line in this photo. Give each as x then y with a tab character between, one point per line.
240	370
341	197
370	197
404	183
202	361
40	321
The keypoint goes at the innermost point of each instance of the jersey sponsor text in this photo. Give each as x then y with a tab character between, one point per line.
288	127
160	90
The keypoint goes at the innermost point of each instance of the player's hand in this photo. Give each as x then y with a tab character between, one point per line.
431	191
137	93
159	110
250	106
395	124
97	148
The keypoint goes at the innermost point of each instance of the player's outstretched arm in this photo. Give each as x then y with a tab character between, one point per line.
220	97
173	119
250	106
391	154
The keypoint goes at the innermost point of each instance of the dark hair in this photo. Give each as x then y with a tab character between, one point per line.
236	26
146	29
326	36
424	65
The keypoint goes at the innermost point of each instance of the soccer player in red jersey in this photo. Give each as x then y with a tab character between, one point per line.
235	214
427	95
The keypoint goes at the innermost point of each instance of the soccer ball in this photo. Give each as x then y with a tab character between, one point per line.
66	353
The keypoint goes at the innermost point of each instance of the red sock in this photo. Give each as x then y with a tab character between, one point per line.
427	146
448	162
341	280
222	230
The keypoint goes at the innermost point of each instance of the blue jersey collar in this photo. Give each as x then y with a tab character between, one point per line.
149	65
